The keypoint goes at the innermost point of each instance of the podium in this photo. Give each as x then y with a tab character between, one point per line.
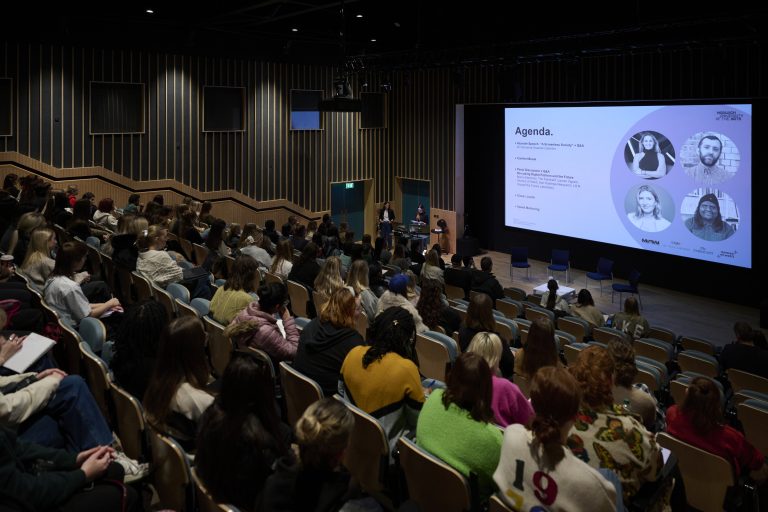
467	247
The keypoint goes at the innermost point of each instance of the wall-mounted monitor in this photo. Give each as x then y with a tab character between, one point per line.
116	108
223	109
305	109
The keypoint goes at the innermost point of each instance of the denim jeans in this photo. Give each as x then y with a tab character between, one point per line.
71	420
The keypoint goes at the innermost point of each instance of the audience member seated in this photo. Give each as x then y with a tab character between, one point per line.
176	396
552	302
313	478
396	296
630	321
251	244
509	405
536	468
299	238
270	232
125	251
457	275
159	267
38	263
399	258
456	423
329	279
66	296
105	214
540	349
325	341
34	477
237	292
480	319
585	309
133	205
383	379
699	421
606	436
641	402
136	346
123	223
431	269
56	410
434	312
257	325
484	281
282	263
28	316
188	229
26	225
240	435
305	270
742	354
358	278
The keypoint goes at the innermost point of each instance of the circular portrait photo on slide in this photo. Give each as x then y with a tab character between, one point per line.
710	214
709	158
649	208
649	155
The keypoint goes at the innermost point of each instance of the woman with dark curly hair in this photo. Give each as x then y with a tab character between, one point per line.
383	379
606	436
434	312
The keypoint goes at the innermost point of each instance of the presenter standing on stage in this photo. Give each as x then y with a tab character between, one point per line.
386	218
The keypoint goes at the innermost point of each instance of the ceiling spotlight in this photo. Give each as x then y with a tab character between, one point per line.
294	30
150	11
359	16
373	40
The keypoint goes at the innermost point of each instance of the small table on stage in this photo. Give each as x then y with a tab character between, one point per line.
562	292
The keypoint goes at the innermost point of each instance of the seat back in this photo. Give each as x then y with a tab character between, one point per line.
571	352
67	350
269	277
662	333
93	332
142	285
186	246
204	499
578	327
515	293
744	380
179	291
691	343
563	338
518	255
605	267
649	376
560	257
606	334
130	424
535	313
165	298
300	391
698	362
706	476
462	312
454	292
509	307
753	415
653	349
230	262
299	296
434	357
184	309
97	377
496	505
219	346
361	324
123	285
170	471
94	260
507	329
202	306
532	300
201	253
432	484
367	454
523	383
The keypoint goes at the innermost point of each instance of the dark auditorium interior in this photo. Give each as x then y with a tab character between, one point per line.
291	110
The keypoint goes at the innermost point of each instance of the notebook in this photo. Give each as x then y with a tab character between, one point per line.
33	348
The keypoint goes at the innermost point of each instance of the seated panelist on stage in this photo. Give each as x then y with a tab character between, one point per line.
421	213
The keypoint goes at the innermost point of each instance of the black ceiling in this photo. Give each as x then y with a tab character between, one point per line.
407	33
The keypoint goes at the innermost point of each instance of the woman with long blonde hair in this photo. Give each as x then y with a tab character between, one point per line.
38	262
329	278
282	263
358	279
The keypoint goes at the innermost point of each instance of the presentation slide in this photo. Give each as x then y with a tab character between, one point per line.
674	179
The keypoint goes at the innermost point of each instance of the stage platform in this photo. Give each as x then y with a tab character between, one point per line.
684	314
